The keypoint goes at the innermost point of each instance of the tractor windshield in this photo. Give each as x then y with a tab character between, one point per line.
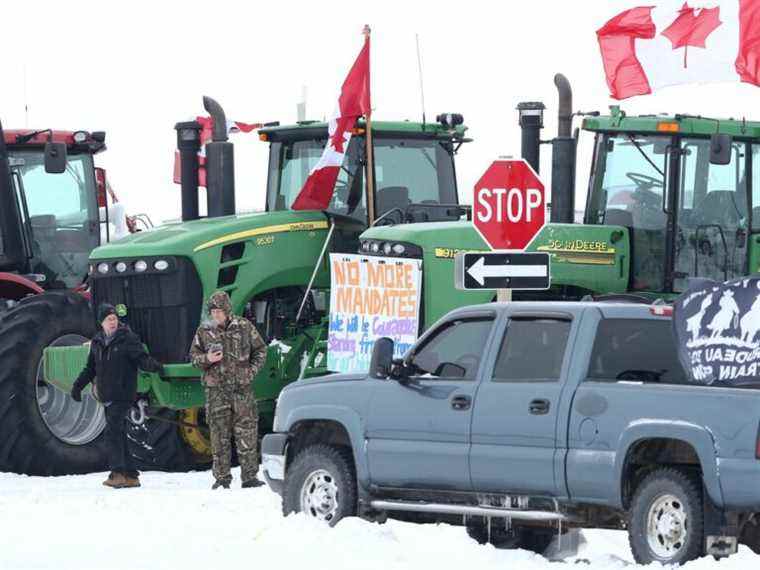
407	171
60	216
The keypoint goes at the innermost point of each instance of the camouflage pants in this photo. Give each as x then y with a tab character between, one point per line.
232	410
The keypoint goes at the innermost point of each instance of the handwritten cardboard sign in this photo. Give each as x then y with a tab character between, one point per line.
371	297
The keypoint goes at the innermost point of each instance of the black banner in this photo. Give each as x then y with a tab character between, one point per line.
716	327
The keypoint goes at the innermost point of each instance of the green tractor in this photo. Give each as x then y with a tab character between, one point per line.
670	198
274	264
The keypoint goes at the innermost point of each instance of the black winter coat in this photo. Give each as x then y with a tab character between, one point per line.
113	366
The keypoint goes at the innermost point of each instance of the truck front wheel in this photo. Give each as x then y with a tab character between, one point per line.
321	484
666	518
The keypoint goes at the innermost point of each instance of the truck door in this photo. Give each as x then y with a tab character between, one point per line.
418	430
515	419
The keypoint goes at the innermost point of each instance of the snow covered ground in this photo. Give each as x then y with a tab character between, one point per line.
175	521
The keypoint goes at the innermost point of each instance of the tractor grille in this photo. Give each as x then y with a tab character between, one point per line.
163	307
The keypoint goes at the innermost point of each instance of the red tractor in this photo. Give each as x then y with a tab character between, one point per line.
55	208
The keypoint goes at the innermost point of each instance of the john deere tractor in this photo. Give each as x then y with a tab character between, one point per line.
670	197
274	265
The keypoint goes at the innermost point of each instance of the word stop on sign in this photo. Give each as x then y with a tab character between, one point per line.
511	205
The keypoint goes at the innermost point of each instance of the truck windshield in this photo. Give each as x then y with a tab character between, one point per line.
60	214
407	171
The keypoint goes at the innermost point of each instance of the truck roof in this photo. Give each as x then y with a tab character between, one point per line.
667	124
609	310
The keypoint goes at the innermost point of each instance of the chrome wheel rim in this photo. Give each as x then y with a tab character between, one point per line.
319	496
667	527
75	423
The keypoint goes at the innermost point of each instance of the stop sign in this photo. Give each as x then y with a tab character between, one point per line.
509	207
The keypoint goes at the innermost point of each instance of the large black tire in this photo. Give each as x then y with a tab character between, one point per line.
338	481
751	534
158	446
681	535
27	444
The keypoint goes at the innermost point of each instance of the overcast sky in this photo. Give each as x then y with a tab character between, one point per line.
136	69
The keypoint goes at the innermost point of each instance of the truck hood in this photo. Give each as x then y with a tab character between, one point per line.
330	378
186	238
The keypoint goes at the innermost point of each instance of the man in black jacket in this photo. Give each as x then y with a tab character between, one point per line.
116	353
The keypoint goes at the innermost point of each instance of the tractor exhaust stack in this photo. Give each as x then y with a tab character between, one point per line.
220	164
563	157
531	122
188	145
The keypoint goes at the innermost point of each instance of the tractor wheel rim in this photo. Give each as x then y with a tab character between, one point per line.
667	527
319	496
75	423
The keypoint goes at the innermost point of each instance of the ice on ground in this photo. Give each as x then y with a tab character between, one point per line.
176	521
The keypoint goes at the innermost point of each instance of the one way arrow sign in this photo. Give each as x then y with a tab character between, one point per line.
502	271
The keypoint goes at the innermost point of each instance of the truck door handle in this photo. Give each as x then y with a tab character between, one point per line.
461	402
539	407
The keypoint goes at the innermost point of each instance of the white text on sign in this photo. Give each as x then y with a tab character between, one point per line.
510	204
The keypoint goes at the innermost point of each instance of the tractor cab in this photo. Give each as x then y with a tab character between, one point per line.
683	186
414	175
51	219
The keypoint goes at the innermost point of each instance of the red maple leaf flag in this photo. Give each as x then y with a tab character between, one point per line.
353	102
641	47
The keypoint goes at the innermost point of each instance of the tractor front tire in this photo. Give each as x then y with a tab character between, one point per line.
42	430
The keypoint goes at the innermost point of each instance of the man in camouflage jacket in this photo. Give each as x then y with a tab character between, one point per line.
230	352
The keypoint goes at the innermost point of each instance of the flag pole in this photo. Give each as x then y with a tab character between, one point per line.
370	154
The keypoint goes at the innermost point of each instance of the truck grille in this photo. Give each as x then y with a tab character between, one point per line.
163	307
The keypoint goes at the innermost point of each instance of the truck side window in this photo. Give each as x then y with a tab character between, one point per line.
532	351
454	350
639	350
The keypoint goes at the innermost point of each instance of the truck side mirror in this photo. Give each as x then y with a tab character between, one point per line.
720	149
55	157
382	359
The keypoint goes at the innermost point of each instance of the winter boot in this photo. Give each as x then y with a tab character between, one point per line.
115	480
130	482
252	483
220	484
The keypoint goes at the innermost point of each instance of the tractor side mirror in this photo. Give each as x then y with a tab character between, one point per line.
382	359
720	149
55	157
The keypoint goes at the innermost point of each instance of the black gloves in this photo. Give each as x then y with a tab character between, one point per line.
76	393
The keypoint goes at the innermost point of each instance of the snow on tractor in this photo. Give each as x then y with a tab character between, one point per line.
55	208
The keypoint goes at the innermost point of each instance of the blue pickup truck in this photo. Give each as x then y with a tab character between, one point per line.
523	420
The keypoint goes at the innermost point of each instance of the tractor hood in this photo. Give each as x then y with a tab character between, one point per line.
188	238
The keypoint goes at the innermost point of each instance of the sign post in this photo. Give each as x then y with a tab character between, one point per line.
509	210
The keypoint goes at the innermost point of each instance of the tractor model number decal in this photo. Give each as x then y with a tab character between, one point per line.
266	240
449	252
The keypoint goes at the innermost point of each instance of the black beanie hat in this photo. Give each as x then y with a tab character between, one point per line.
105	310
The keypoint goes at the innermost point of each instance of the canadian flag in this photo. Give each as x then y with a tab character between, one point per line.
650	47
207	128
353	102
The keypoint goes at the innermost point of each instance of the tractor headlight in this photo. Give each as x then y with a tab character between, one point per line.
398	248
161	265
141	266
103	268
365	246
121	267
387	248
375	247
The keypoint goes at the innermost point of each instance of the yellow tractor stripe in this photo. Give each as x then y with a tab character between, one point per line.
292	227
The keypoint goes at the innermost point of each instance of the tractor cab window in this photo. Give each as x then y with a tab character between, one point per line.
61	217
407	171
711	238
628	191
410	171
290	163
